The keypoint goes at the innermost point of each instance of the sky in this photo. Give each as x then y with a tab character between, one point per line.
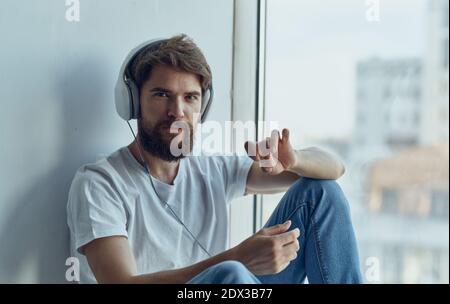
313	47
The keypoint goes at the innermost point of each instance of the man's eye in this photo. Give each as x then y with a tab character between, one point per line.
192	97
161	94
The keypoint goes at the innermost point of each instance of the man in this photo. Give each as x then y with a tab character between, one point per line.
145	215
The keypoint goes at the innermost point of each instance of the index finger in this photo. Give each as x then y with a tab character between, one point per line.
274	140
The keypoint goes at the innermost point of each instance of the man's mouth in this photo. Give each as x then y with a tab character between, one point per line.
174	130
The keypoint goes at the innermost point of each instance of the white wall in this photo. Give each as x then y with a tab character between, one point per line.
56	80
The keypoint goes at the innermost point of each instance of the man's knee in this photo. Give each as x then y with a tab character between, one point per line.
331	187
230	267
232	272
323	190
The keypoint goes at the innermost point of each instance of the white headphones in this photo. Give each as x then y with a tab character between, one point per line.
126	92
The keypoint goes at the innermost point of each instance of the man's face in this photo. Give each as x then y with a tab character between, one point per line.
169	98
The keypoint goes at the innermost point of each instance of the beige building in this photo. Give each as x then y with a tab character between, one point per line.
407	221
413	182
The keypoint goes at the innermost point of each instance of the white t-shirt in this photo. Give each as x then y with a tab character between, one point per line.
114	197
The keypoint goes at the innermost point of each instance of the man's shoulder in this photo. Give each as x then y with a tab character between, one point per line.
103	169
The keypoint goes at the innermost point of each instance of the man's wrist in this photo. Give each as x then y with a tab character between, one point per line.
294	168
231	254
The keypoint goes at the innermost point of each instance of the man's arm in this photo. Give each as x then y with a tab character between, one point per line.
112	262
267	252
277	165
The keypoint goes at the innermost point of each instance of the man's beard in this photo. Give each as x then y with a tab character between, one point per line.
157	140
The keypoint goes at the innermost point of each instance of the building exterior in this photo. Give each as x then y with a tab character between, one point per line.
388	103
435	107
404	102
408	203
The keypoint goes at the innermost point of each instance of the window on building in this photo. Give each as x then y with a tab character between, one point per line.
392	264
440	204
416	118
416	94
390	201
361	94
361	118
387	93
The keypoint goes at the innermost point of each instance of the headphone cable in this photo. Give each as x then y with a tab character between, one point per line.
163	201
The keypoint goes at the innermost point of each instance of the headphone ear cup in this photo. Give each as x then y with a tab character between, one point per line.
206	102
134	100
205	99
122	100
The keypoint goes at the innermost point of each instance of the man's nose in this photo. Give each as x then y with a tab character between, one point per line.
176	109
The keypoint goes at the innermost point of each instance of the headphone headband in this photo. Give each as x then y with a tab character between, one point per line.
126	91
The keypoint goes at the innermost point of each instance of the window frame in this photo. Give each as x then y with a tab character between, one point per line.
247	101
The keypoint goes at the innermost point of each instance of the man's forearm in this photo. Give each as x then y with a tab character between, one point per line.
316	163
182	275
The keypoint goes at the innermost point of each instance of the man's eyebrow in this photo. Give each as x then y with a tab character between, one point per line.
158	89
194	93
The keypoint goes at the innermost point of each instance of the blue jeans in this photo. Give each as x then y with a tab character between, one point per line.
328	251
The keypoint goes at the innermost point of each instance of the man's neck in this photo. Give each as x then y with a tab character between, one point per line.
163	170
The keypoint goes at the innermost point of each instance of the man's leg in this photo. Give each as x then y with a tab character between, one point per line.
328	251
228	272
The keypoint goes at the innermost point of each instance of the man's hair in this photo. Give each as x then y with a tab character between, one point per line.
179	52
